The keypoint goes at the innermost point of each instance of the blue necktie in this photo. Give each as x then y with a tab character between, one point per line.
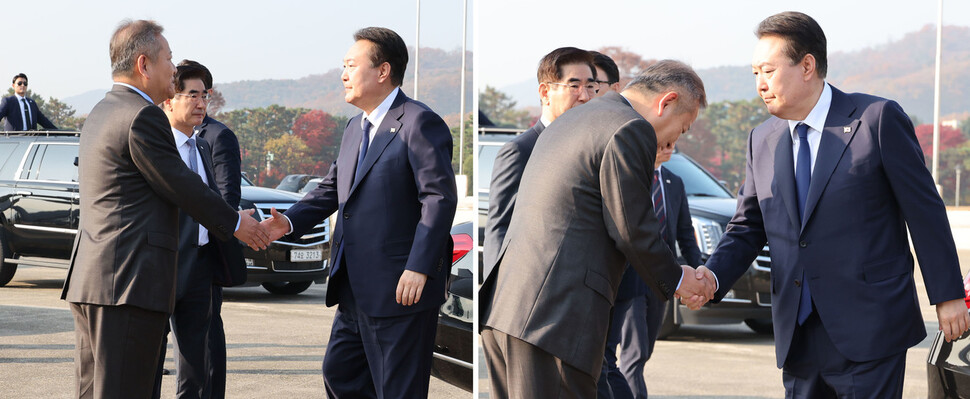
658	204
193	163
803	179
364	142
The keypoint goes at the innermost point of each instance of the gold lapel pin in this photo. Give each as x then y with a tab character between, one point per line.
847	129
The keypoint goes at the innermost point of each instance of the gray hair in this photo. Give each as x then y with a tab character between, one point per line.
670	75
131	39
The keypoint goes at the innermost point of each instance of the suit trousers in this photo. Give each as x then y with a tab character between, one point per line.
520	370
116	350
611	375
217	347
189	325
815	369
377	357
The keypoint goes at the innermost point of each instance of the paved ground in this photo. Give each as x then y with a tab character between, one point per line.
275	344
731	361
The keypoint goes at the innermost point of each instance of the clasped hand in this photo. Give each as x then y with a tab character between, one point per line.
697	287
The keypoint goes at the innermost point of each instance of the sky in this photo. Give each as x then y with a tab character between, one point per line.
514	34
65	48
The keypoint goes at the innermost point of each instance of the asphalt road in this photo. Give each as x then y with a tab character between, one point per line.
731	361
275	344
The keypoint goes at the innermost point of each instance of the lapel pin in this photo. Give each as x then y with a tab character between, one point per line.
847	129
393	130
668	181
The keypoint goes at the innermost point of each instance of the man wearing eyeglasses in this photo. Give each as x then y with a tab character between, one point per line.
199	256
226	166
21	113
607	74
567	78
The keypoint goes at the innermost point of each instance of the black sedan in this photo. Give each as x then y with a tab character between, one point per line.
948	365
453	343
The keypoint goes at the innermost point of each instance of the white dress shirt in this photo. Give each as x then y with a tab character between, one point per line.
23	111
376	117
816	122
145	96
182	143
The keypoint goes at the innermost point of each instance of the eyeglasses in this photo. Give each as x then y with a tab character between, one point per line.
196	96
603	82
575	87
21	83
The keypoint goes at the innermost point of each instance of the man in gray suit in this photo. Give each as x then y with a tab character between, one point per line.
567	78
121	283
584	208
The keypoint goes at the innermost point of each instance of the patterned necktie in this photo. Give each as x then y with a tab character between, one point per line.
27	118
803	179
193	163
658	204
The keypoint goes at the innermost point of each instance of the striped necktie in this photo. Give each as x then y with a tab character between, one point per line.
658	204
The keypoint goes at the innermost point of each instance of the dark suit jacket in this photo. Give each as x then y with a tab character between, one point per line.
680	230
506	174
583	209
10	109
869	182
396	215
132	184
226	160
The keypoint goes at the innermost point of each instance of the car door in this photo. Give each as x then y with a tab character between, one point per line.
43	217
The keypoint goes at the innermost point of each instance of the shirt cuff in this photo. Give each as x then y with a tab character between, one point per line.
681	279
289	223
238	222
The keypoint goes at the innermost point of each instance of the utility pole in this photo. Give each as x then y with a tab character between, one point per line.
417	50
936	102
956	202
461	111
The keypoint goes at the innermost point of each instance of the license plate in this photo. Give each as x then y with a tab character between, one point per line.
306	255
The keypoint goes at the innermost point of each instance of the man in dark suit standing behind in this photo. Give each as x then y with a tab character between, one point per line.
566	79
833	182
394	189
121	282
226	168
583	211
18	108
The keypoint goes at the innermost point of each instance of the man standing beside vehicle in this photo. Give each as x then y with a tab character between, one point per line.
20	112
226	167
395	193
121	282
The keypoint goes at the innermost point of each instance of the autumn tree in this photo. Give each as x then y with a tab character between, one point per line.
628	62
254	127
216	102
718	138
463	153
322	134
290	156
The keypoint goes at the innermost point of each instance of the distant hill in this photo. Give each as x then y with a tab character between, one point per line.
902	70
83	103
439	89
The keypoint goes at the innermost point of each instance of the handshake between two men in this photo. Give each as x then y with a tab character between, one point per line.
696	287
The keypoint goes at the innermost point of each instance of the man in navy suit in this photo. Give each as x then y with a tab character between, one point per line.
567	78
833	181
200	258
18	108
394	190
226	169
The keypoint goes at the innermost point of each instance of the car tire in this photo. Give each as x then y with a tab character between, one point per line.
667	326
7	270
287	288
760	326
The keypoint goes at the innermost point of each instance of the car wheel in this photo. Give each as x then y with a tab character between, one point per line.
667	326
287	288
7	270
760	326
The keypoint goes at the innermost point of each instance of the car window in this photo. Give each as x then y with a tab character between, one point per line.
486	159
54	162
6	150
697	182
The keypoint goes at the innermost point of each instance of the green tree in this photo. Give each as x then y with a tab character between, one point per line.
290	155
465	153
718	138
500	109
254	127
59	113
